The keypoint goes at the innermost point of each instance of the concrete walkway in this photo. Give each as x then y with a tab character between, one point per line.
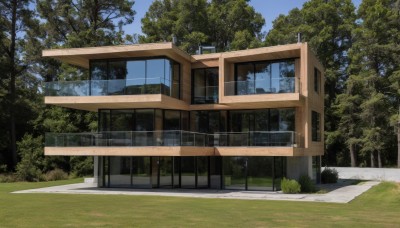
340	194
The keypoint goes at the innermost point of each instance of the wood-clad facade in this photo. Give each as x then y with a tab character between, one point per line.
228	108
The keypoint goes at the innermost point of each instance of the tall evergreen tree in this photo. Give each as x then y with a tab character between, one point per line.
327	26
15	19
225	24
72	24
375	57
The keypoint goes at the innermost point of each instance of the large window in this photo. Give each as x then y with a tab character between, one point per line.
144	76
316	126
262	77
205	86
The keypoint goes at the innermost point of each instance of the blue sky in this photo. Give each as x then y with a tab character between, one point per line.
270	9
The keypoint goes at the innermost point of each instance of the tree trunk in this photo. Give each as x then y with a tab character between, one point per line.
379	159
13	73
372	160
353	156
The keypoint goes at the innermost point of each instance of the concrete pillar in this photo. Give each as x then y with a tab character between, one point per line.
297	166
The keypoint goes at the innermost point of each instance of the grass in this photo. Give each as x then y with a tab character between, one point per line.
379	207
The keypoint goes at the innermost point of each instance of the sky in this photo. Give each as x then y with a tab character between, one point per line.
270	9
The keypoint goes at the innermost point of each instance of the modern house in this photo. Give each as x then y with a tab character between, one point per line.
167	119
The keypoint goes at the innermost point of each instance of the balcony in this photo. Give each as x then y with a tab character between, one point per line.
112	87
172	143
92	95
172	138
273	86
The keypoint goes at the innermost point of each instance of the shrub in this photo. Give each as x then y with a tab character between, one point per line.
3	168
290	186
31	151
8	177
56	174
307	185
329	176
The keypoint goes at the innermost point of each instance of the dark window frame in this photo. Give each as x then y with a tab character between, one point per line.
254	63
138	59
205	83
315	126
317	80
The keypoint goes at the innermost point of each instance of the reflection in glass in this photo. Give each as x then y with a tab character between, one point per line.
202	172
234	172
188	172
205	87
260	173
165	172
120	173
141	172
263	77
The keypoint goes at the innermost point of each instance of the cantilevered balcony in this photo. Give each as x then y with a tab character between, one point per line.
171	143
111	87
92	95
172	138
270	86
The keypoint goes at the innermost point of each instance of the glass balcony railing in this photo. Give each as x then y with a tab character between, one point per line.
111	87
255	138
126	139
172	138
205	95
266	86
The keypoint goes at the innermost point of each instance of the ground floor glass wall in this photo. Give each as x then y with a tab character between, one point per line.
239	173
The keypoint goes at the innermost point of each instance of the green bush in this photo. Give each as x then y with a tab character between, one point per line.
56	174
31	151
307	185
290	186
329	176
8	177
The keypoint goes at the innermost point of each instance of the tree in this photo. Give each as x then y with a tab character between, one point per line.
347	106
220	23
375	57
15	19
228	18
327	26
71	24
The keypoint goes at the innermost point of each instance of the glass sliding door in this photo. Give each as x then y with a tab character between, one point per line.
120	171
279	171
165	171
234	171
172	121
141	172
144	125
260	173
188	172
122	122
202	172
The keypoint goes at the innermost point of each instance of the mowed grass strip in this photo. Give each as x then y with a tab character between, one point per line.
380	206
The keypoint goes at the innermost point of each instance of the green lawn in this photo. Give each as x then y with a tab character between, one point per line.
380	206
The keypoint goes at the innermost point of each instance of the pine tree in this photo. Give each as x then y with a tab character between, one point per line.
327	26
228	25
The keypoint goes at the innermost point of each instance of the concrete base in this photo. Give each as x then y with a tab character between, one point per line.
298	166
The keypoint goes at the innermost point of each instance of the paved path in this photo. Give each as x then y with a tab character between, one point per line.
343	194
